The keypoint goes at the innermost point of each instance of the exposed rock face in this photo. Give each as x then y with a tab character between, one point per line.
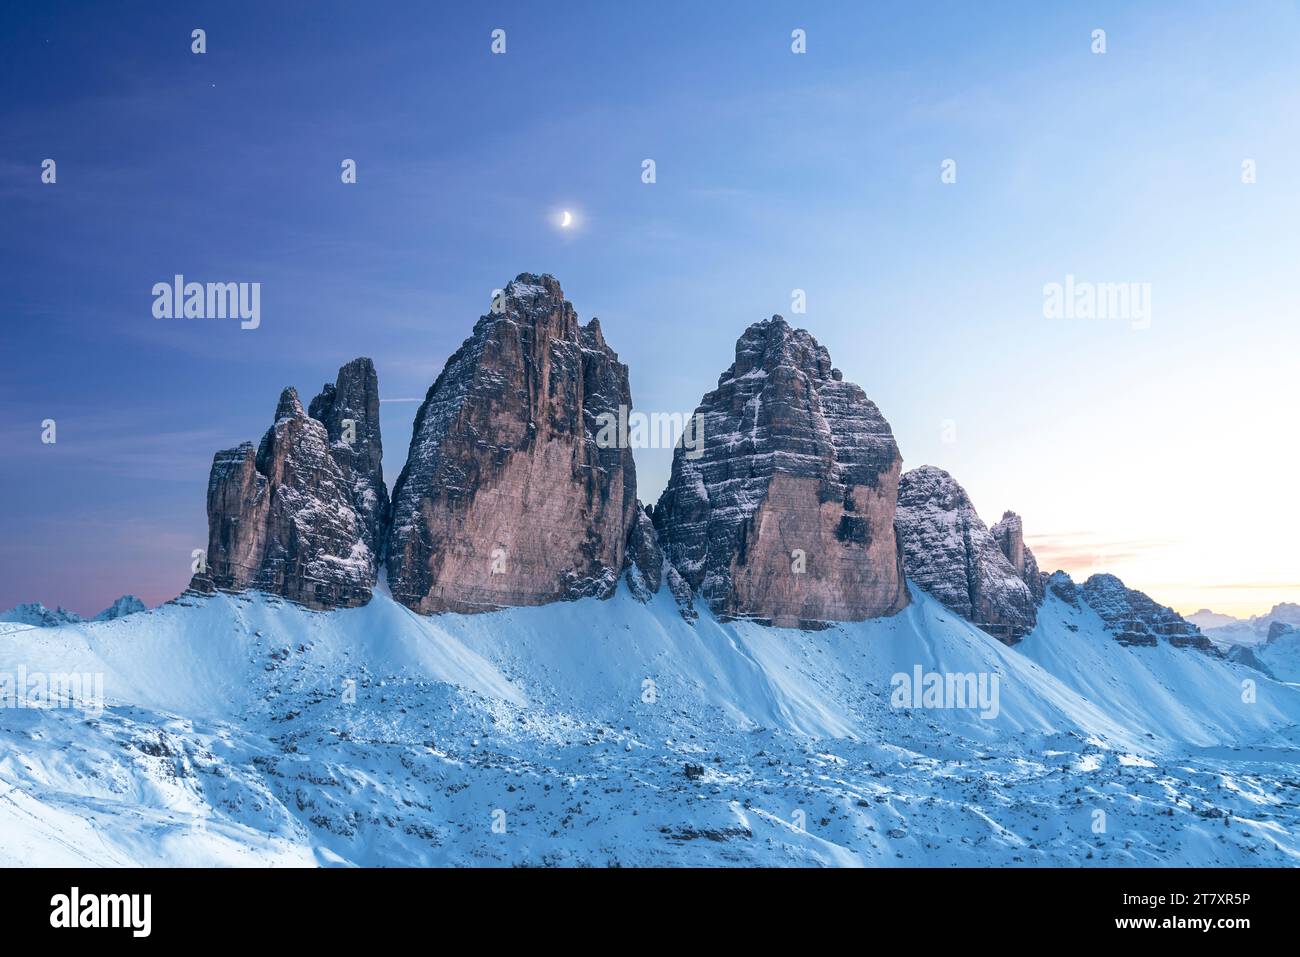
647	570
281	518
349	410
1276	629
1245	655
126	605
1134	619
1063	587
681	591
506	497
948	551
644	560
787	515
1009	533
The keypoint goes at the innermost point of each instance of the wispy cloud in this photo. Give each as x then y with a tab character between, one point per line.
1077	551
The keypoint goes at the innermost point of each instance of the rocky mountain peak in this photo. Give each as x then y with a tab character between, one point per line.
1061	585
528	286
785	514
349	410
126	605
948	551
289	406
1009	533
283	520
1287	612
506	497
1135	619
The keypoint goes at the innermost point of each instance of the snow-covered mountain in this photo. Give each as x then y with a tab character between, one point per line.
1205	618
514	662
37	615
1227	632
243	729
126	605
1280	652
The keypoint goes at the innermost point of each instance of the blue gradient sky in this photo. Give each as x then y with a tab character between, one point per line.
1168	455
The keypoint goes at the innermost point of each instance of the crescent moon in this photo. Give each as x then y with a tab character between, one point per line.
567	218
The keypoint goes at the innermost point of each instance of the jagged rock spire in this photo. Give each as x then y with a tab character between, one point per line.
349	410
1009	533
506	497
949	552
283	519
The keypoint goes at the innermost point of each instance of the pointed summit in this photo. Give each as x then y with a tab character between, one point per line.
289	406
1009	533
283	519
349	410
506	497
948	551
786	514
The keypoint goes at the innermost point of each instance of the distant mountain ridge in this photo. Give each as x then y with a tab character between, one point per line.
1227	631
37	615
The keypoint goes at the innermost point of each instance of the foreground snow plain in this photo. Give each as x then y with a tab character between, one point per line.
244	730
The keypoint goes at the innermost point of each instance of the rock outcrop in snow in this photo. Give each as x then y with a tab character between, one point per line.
126	605
37	615
1009	533
787	515
281	518
948	551
647	570
1131	616
644	559
1245	655
1277	629
1063	587
506	497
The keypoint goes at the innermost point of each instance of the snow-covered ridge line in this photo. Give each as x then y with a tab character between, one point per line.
243	729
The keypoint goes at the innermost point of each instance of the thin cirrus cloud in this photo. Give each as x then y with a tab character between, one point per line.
1083	549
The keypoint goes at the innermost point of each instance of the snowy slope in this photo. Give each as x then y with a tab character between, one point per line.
562	734
1171	694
